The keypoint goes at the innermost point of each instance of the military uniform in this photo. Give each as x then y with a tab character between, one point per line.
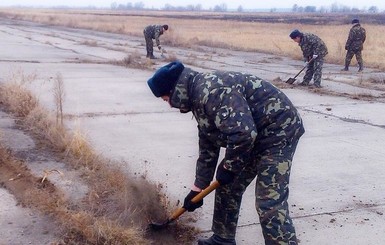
313	45
152	32
354	46
260	128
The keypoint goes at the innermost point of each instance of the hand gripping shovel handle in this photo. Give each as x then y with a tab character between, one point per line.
197	198
180	211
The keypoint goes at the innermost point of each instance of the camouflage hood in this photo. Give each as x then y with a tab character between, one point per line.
180	97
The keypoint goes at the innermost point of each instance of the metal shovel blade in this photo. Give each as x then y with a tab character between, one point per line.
290	80
159	226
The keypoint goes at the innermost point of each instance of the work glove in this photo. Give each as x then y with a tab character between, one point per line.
315	56
190	206
224	176
159	47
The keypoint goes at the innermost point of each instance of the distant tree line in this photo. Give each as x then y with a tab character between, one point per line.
168	7
334	8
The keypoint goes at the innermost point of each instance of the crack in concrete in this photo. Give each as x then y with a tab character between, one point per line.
345	119
21	61
317	214
103	114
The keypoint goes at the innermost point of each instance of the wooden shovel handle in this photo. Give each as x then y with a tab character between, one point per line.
197	198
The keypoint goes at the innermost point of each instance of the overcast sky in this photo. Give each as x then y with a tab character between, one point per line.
231	4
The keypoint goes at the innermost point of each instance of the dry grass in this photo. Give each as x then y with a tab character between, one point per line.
188	30
134	60
82	227
117	209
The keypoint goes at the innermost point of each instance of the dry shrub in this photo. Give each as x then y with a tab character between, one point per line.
19	101
170	57
133	60
44	125
118	208
101	230
92	43
79	148
379	79
363	96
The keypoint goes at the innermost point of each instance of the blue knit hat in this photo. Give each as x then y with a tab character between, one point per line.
295	33
355	21
164	79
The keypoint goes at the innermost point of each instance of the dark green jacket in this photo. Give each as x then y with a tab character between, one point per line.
356	38
154	32
237	111
311	44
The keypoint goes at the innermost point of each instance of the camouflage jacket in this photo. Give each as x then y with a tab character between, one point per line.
240	112
154	32
311	44
356	38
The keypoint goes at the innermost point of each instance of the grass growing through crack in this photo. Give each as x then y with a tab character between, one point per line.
117	208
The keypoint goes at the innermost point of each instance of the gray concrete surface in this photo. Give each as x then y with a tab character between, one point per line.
337	187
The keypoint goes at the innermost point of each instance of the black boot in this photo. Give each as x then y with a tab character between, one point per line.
216	240
303	83
150	55
361	68
346	68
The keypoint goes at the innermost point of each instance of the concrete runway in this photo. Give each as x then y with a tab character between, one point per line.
337	191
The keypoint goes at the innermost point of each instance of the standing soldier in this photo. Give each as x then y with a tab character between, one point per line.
259	128
153	32
314	50
354	45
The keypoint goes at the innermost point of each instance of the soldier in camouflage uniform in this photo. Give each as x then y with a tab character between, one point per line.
153	32
259	128
354	45
312	47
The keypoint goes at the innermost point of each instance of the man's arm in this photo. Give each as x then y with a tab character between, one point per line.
350	39
207	161
158	31
233	118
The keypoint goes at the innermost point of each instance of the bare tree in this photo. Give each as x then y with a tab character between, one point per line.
220	8
59	94
373	9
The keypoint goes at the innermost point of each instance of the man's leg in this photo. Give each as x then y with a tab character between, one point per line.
308	74
360	61
228	200
348	59
317	66
149	47
272	191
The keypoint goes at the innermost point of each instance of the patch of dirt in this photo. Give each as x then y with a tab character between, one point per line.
71	200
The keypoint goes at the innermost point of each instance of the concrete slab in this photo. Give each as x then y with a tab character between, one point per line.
336	190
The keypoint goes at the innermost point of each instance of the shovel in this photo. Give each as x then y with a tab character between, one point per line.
162	52
180	211
292	79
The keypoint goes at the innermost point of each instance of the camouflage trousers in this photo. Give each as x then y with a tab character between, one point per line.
149	45
314	70
271	167
349	56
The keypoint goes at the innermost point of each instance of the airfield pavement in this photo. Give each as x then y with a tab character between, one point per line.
337	190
